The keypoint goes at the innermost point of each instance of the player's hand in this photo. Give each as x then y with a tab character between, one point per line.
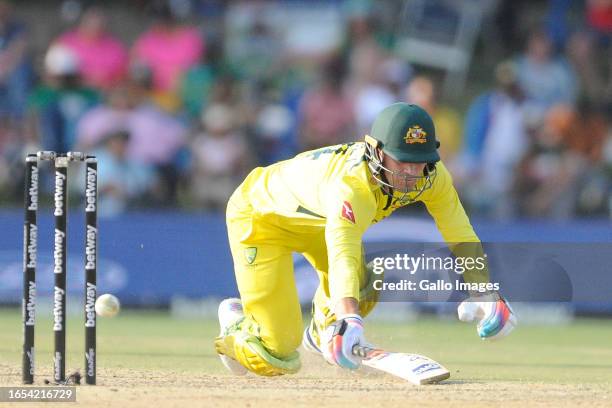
492	312
339	339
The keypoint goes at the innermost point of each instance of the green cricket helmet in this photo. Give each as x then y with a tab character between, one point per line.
405	133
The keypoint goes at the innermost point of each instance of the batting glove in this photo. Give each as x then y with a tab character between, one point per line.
339	339
492	312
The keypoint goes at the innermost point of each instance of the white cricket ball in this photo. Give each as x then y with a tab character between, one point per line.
107	305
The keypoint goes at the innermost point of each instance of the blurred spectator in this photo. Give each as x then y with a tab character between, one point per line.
198	83
421	91
495	139
375	76
396	73
15	83
545	78
583	53
590	51
599	18
549	175
326	112
122	181
230	92
226	90
589	137
255	52
15	69
362	52
273	128
110	117
102	58
169	49
557	22
370	100
158	139
372	92
195	89
508	21
220	157
277	77
57	106
359	27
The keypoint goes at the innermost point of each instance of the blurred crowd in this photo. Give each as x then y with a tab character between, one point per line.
178	115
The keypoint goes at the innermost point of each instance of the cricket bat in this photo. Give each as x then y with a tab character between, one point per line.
415	368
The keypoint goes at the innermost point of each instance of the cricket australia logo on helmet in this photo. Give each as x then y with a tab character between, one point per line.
415	134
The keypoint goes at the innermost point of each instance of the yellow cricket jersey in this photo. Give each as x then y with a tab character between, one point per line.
331	191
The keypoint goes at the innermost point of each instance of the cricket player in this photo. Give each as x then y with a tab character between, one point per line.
319	204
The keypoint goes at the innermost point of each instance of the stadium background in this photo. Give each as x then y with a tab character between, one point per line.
180	99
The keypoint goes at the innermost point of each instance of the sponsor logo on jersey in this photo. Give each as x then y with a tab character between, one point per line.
347	212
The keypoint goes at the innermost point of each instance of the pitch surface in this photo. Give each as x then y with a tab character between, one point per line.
150	359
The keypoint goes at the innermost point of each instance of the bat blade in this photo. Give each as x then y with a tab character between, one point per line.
417	369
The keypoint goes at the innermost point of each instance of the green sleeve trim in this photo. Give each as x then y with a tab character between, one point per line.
306	211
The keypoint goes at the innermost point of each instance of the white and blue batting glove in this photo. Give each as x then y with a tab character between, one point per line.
492	312
339	339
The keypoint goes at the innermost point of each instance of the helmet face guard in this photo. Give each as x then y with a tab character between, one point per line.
410	186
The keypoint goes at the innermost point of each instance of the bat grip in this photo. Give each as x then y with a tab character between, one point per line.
361	351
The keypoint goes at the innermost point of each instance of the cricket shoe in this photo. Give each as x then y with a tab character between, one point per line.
230	312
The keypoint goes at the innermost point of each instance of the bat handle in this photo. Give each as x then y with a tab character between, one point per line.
362	351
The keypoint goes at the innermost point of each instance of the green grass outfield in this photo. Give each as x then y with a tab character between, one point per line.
578	353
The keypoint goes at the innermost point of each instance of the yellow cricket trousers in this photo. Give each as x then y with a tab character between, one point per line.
262	251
